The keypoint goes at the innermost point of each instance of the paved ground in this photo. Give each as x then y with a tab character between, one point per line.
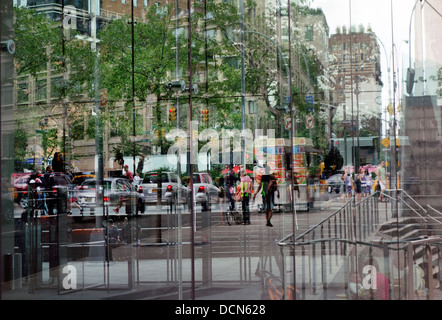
229	264
227	258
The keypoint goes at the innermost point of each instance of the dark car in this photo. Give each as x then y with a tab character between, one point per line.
334	183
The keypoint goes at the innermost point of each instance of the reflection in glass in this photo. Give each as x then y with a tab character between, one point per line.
185	95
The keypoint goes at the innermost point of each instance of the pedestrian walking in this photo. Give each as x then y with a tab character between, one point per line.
246	192
230	181
141	201
348	181
265	187
112	237
48	184
128	232
358	185
366	183
382	180
129	176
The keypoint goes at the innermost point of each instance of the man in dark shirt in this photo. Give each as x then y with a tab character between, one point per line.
267	186
48	184
112	238
230	180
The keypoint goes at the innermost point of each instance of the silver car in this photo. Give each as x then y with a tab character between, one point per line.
205	192
113	190
167	185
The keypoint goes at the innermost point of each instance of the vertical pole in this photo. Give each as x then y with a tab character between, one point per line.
292	134
192	209
243	98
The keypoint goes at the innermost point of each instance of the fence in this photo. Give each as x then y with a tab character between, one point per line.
336	257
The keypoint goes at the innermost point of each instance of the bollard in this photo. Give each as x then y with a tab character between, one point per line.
17	271
7	271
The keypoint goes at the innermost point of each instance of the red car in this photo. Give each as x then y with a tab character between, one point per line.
22	182
21	190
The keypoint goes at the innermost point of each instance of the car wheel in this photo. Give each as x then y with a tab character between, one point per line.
205	205
229	218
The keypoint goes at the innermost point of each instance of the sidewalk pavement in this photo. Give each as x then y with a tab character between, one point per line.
216	277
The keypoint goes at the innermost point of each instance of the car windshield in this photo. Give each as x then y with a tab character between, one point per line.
151	178
335	178
196	178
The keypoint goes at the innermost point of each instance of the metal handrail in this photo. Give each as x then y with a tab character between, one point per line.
323	244
316	225
403	191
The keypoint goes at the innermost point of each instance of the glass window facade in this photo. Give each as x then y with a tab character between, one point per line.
221	149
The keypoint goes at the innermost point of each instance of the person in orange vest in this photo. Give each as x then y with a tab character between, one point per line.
246	192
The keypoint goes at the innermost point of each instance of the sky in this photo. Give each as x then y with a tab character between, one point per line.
377	14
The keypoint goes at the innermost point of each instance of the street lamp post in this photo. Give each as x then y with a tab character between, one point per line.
243	98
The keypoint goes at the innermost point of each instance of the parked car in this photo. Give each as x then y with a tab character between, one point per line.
21	187
205	192
167	185
334	183
112	191
21	190
79	177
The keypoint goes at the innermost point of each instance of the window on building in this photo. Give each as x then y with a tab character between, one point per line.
56	87
22	92
40	90
253	107
233	62
211	34
308	33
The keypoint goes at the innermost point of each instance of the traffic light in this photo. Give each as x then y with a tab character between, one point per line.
172	114
160	133
205	114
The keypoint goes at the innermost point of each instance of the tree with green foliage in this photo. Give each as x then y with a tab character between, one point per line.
154	56
41	49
